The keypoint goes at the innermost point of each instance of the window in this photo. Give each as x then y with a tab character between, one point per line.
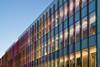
60	27
61	36
93	56
92	6
56	30
60	40
75	59
52	22
65	24
68	64
65	61
52	63
77	2
91	0
72	62
78	59
48	35
71	7
56	63
92	24
53	47
71	20
61	62
77	31
66	33
60	2
77	16
71	38
84	3
49	49
52	33
44	40
84	58
61	14
84	28
56	45
66	37
56	19
65	11
84	12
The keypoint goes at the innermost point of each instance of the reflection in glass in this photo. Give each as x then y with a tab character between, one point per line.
78	59
93	56
85	58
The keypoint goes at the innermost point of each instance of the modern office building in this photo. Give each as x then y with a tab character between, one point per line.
66	34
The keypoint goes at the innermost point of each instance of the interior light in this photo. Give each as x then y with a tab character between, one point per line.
84	53
93	50
61	60
77	54
66	59
71	57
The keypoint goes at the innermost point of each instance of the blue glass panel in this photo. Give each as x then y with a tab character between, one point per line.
84	12
84	43
65	51
92	6
92	40
77	46
77	16
65	24
71	20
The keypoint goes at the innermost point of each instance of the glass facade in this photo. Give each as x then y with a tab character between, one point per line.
63	36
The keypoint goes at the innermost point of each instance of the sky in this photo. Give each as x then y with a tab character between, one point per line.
15	17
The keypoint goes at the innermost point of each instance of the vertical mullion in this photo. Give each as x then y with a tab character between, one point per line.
80	31
30	36
74	30
47	40
88	30
58	32
96	10
32	43
62	21
44	39
63	30
37	41
36	46
68	35
53	31
50	38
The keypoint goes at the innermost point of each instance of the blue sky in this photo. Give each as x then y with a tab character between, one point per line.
15	17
